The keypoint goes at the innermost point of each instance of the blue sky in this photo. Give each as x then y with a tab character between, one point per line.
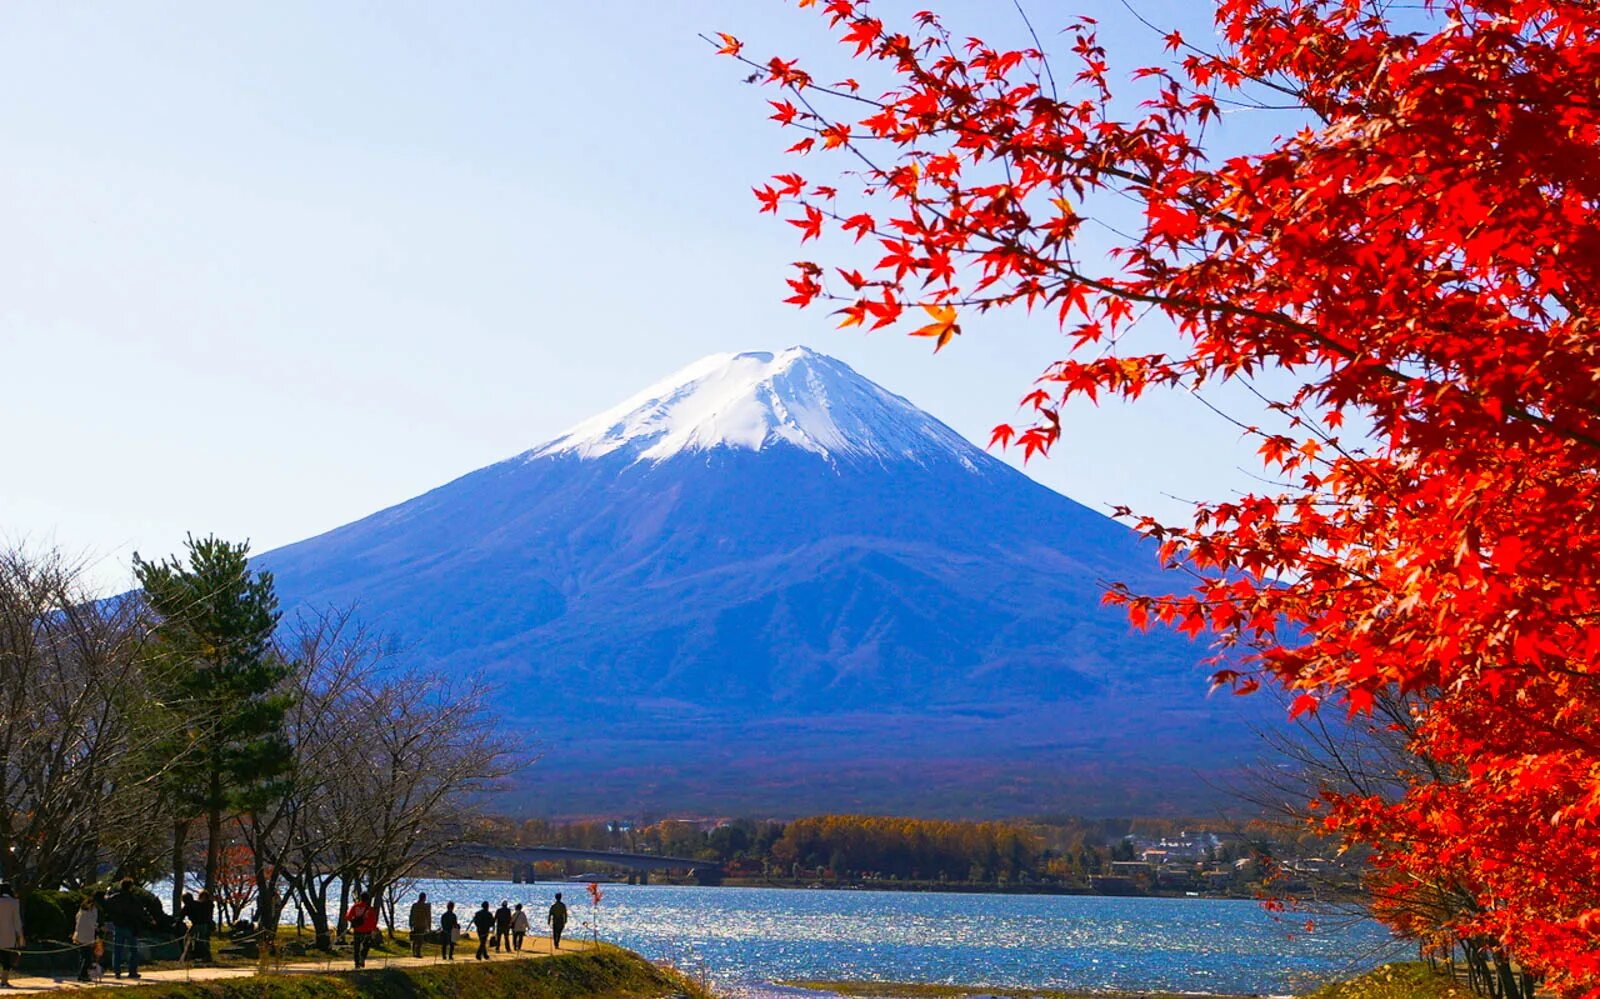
268	267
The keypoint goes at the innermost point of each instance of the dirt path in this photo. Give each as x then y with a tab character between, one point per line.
67	982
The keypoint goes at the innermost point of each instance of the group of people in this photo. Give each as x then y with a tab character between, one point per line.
503	929
125	912
199	914
129	911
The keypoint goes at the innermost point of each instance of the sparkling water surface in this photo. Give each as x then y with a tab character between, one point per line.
743	939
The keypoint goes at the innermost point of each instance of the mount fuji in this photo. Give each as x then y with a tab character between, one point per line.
766	585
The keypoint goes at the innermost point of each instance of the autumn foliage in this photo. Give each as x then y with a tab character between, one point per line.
909	848
236	880
1409	278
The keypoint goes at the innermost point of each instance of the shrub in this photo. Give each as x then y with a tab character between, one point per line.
48	915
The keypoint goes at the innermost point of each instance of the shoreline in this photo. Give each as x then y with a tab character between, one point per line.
856	989
969	888
1395	980
910	887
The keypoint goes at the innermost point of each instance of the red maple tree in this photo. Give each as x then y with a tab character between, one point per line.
1420	259
236	880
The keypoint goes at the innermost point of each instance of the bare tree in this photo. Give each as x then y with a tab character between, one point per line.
71	696
389	764
296	839
435	750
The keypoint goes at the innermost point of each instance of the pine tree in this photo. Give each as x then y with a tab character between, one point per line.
219	676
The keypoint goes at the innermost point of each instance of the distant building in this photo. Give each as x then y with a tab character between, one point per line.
1218	880
1135	870
1117	886
1311	865
1176	878
1189	845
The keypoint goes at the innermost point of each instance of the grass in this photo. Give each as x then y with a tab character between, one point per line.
1396	981
602	973
294	948
608	972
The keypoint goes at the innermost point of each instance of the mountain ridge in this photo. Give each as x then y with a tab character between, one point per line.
740	590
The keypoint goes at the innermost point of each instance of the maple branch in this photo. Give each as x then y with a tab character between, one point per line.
830	91
1300	96
1039	47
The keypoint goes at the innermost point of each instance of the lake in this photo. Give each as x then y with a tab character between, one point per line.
743	939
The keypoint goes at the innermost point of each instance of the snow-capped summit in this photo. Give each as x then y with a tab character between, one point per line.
755	400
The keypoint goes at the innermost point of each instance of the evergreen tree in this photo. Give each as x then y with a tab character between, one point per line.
217	670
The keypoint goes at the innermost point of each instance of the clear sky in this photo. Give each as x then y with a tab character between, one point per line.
267	267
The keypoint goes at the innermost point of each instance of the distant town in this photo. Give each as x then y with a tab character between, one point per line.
1054	855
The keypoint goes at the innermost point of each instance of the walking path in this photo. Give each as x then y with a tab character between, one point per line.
67	981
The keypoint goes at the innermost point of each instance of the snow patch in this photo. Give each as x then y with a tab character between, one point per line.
754	400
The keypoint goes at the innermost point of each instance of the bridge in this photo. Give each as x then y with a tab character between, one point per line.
643	862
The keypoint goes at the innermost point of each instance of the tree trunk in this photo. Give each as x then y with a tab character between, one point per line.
180	841
313	895
1478	979
266	914
267	907
214	831
344	902
389	902
1508	985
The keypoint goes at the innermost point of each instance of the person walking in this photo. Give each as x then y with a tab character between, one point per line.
449	929
502	926
363	920
127	913
519	927
201	917
184	923
84	931
557	918
483	921
421	922
11	938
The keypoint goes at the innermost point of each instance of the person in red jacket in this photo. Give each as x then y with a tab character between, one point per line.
363	920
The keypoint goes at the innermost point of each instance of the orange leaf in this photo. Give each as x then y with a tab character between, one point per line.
943	327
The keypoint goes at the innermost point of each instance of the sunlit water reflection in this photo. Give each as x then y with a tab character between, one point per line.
745	938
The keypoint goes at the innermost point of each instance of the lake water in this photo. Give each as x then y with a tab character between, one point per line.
742	939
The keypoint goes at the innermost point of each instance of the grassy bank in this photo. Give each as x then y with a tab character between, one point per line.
1396	981
603	973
